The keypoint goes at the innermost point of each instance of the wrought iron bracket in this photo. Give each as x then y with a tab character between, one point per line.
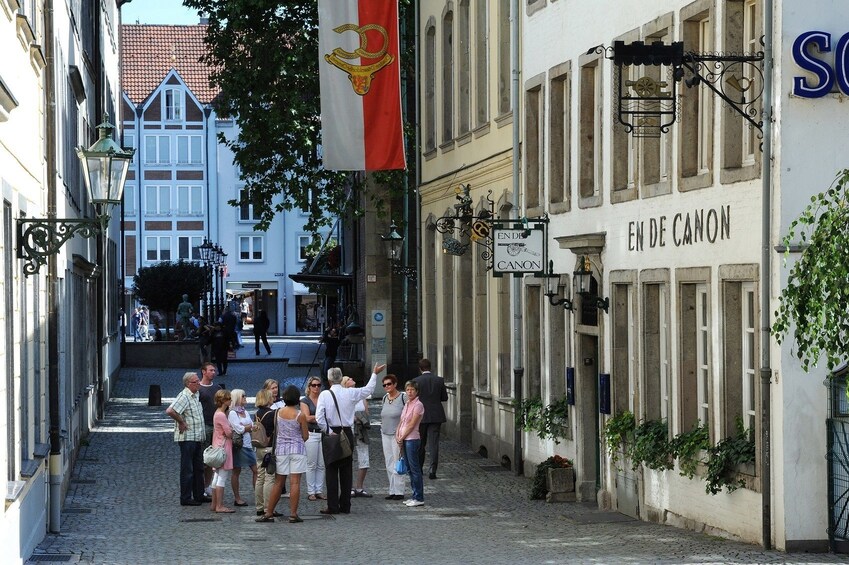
468	226
38	239
403	270
648	105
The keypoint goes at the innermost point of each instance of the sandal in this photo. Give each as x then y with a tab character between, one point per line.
225	511
295	519
265	518
320	496
312	497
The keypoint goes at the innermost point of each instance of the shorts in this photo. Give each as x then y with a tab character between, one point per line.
362	455
244	457
291	464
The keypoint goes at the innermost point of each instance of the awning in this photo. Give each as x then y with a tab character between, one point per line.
338	280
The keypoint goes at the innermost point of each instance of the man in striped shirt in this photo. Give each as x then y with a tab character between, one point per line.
190	435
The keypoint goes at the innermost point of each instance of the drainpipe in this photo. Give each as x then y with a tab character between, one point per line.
55	431
418	210
766	274
516	296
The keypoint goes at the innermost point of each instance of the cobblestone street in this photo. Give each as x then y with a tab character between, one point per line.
122	507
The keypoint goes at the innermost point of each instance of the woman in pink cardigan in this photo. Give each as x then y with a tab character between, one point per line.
222	434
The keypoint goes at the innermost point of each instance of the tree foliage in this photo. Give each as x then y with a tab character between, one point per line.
265	59
162	286
815	301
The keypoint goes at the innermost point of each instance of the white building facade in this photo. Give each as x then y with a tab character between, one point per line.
672	227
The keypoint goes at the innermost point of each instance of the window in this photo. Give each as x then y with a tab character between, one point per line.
533	329
130	200
8	305
740	345
303	247
189	200
464	68
695	349
696	109
740	145
559	139
656	352
187	247
623	316
534	158
505	40
624	169
589	177
247	213
174	104
128	141
189	150
157	200
703	353
250	248
481	63
448	77
430	89
158	248
157	149
655	154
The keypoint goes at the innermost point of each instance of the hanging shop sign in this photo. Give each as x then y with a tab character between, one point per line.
518	249
702	225
807	54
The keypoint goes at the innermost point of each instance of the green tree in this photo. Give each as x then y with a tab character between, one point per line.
815	301
162	286
265	59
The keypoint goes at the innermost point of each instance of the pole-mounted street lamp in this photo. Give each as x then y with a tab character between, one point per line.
394	243
105	166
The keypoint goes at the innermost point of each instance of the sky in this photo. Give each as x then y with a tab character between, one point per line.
158	12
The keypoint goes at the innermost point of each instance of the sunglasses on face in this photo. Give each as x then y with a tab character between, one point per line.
315	384
387	384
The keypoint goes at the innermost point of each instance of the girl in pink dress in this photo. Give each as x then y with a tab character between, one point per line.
222	435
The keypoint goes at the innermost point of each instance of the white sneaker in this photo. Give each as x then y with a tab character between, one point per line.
408	501
416	503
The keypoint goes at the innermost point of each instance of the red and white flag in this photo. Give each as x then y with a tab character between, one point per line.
360	77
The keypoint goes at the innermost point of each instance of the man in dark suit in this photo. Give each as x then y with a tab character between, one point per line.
432	393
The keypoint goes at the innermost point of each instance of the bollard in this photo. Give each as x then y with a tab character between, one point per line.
154	396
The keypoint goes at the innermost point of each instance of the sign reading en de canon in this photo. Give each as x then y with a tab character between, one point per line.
518	250
702	225
825	71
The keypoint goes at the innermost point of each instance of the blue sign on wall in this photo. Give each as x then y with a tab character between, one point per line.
806	53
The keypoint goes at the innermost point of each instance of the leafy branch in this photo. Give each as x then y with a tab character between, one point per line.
548	421
816	298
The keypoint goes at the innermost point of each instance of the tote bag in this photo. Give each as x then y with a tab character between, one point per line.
335	446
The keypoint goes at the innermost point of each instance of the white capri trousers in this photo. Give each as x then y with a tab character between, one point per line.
391	453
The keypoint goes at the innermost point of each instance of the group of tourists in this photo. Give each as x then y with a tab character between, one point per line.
295	426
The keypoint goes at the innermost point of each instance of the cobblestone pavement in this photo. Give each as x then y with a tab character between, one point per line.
122	507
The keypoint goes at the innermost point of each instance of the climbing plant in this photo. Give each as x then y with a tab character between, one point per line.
815	301
549	421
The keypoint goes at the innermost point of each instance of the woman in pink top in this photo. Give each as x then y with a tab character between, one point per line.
222	435
407	435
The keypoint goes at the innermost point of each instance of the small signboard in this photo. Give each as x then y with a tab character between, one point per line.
518	249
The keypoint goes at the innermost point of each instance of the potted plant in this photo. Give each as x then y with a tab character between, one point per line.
554	480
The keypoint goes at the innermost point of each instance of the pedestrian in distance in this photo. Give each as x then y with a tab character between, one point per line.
190	436
331	348
222	436
390	416
290	454
242	423
335	413
315	456
261	325
408	436
432	393
220	348
264	480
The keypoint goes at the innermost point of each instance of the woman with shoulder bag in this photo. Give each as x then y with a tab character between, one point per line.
290	454
390	415
315	456
243	456
264	479
222	435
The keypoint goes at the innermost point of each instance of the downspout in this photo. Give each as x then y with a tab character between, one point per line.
405	281
516	296
418	182
100	284
766	275
56	459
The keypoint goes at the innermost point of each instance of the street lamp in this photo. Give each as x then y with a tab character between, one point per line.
205	251
552	289
584	276
105	166
394	243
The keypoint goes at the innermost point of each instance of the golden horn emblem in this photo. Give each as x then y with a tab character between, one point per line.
360	75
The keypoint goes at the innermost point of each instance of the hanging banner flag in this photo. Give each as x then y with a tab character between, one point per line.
360	77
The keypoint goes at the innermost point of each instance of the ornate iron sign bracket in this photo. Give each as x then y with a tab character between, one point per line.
648	105
468	226
38	239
